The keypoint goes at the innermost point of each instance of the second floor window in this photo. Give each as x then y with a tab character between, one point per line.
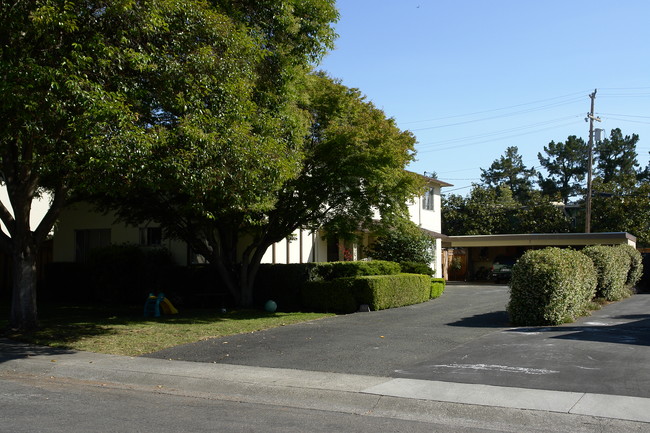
427	201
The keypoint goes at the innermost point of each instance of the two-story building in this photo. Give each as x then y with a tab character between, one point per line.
81	229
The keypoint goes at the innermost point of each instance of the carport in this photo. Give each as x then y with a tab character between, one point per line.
469	258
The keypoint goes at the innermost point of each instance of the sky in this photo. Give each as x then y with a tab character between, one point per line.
469	78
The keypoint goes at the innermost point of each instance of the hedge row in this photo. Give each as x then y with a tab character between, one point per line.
323	286
554	286
125	274
379	292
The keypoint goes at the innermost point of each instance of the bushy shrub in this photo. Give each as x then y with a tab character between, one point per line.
282	283
612	267
636	265
437	287
331	270
336	296
416	268
550	287
405	242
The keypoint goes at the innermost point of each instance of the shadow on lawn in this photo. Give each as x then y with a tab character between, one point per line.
66	324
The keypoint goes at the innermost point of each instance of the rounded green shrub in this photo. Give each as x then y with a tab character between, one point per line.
550	287
612	266
416	268
636	265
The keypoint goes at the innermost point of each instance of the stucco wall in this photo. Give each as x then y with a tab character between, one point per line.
81	216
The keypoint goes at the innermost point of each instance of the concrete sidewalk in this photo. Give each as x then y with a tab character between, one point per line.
349	393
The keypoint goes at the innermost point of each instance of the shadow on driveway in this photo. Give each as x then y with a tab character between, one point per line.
495	319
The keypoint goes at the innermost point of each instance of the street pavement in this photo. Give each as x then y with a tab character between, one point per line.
457	350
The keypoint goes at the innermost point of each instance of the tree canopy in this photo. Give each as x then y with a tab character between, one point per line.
348	166
566	166
97	95
619	200
509	170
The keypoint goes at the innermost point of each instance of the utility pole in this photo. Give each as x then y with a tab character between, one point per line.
591	118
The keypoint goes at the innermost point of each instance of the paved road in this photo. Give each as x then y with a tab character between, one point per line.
452	364
463	337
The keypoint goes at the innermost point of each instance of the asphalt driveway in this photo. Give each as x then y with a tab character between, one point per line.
463	336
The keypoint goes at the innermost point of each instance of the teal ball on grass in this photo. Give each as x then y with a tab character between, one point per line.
270	306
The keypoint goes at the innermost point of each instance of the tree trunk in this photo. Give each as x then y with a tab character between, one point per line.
24	315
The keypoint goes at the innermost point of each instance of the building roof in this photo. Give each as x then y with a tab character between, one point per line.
541	239
432	180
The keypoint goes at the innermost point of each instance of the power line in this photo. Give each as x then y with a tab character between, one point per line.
502	131
493	140
494	109
465	122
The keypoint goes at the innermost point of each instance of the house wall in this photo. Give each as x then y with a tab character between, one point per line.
430	220
81	216
303	247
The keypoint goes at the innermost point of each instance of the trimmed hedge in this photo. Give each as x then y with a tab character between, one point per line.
345	295
282	283
416	268
636	265
331	270
612	266
550	287
437	287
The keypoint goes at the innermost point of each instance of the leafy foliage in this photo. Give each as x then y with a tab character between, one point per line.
566	165
405	242
617	157
636	265
612	266
505	201
509	170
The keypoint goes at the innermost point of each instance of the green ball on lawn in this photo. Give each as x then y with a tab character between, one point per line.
270	306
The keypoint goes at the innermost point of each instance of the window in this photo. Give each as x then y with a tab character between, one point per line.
150	236
427	200
88	240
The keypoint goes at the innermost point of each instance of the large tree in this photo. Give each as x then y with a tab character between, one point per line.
486	210
617	158
622	207
509	170
89	89
566	167
351	166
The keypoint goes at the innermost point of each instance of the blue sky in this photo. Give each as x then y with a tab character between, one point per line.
471	77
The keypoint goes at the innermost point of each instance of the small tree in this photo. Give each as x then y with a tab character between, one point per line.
405	242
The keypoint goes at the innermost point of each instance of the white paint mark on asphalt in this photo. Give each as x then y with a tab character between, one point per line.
502	368
587	368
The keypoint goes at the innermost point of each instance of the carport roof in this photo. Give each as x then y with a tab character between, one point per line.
540	239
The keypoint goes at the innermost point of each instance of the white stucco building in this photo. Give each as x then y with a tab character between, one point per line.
80	229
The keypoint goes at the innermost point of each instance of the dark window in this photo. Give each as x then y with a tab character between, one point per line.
332	250
150	236
88	240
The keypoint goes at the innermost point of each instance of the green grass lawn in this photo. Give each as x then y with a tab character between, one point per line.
124	331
